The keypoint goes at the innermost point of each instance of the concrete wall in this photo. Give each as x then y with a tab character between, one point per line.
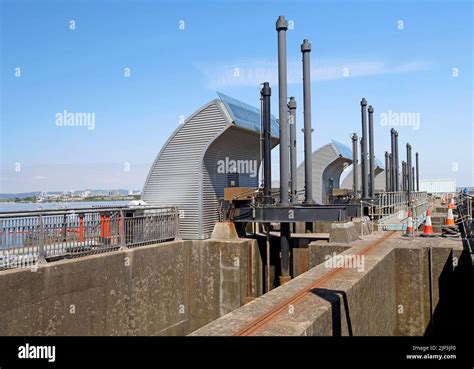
199	287
166	289
421	280
401	291
357	302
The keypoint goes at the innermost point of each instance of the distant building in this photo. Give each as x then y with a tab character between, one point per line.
438	186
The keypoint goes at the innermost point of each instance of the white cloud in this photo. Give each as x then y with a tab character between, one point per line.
252	72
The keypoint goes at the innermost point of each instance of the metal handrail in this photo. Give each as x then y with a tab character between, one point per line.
28	238
386	205
27	213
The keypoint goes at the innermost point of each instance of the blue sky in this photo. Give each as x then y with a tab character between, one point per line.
174	71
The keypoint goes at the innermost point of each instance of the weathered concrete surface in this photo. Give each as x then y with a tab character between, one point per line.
343	232
390	296
421	277
224	231
409	285
300	261
363	226
320	251
322	227
349	303
166	289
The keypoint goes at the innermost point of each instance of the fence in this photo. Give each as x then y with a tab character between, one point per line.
388	203
390	209
31	237
466	214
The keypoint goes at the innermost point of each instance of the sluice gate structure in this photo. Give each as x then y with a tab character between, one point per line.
216	249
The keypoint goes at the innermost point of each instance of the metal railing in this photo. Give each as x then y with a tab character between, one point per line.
28	238
419	197
465	213
388	203
393	207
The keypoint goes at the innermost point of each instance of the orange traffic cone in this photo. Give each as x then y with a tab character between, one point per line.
450	218
451	204
409	225
428	228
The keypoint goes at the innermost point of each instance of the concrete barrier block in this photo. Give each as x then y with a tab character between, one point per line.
343	232
363	226
224	231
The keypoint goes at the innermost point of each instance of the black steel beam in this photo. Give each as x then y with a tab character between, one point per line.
291	214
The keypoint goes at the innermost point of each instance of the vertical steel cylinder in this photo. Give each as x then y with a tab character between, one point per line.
364	163
292	124
308	161
392	166
404	176
387	172
390	172
417	173
408	170
355	165
397	165
281	27
372	153
265	93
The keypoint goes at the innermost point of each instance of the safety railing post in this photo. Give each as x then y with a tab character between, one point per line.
372	215
177	234
46	233
64	228
121	226
41	251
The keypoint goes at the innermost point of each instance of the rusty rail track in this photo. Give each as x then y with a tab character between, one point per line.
266	318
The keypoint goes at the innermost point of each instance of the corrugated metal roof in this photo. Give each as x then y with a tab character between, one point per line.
246	116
